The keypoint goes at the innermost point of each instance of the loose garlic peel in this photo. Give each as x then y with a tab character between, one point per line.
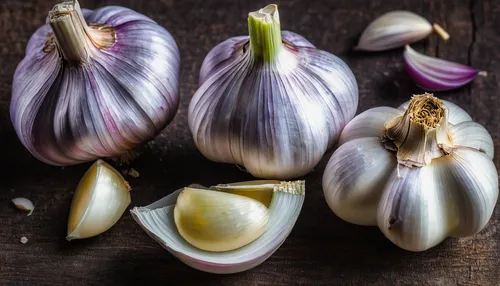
100	199
158	220
422	172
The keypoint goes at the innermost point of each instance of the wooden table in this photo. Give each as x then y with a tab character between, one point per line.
322	249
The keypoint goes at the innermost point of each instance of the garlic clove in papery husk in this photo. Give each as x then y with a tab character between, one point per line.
94	83
100	199
422	172
271	101
235	223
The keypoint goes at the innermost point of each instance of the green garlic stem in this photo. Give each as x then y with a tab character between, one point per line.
69	27
265	33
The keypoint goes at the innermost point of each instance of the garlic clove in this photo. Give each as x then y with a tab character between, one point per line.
473	135
434	74
218	221
395	29
157	219
369	123
24	204
99	201
413	210
353	181
456	114
474	189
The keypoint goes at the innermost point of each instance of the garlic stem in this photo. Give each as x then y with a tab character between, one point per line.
73	37
265	33
441	32
421	133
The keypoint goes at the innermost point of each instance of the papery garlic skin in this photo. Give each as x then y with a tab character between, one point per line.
418	189
271	101
98	90
100	199
395	29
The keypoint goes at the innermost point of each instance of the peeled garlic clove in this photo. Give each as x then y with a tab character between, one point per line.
395	29
217	221
24	204
257	190
270	101
435	74
99	201
158	220
94	84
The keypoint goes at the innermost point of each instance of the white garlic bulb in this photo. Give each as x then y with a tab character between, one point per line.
271	101
422	173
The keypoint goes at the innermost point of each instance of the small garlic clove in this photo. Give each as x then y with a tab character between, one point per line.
353	181
456	114
473	135
434	74
395	29
157	219
369	123
257	190
218	221
99	201
24	204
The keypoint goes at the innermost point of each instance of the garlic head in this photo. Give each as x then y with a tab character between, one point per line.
422	173
100	199
94	84
271	101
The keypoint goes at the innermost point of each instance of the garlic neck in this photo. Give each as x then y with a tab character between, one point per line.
265	33
421	133
71	34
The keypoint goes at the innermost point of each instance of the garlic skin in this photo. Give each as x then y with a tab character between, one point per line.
436	74
217	221
394	29
158	221
100	199
421	173
271	101
94	84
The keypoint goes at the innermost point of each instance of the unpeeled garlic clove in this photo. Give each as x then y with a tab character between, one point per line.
218	221
24	204
395	29
99	201
158	220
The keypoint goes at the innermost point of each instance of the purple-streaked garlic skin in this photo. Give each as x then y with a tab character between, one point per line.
121	96
275	118
433	74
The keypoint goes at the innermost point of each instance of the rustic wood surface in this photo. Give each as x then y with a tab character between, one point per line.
322	249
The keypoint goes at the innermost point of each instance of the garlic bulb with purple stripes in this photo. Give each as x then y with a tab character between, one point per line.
271	101
94	84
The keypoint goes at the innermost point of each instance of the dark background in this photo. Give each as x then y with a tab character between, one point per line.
322	249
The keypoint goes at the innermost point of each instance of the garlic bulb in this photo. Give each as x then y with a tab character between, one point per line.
227	228
395	29
99	201
422	172
85	91
271	101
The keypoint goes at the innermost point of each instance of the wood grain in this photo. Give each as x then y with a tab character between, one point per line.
322	249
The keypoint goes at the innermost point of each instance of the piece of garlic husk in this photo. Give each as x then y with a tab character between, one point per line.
224	229
422	173
434	74
395	29
100	199
271	101
94	84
